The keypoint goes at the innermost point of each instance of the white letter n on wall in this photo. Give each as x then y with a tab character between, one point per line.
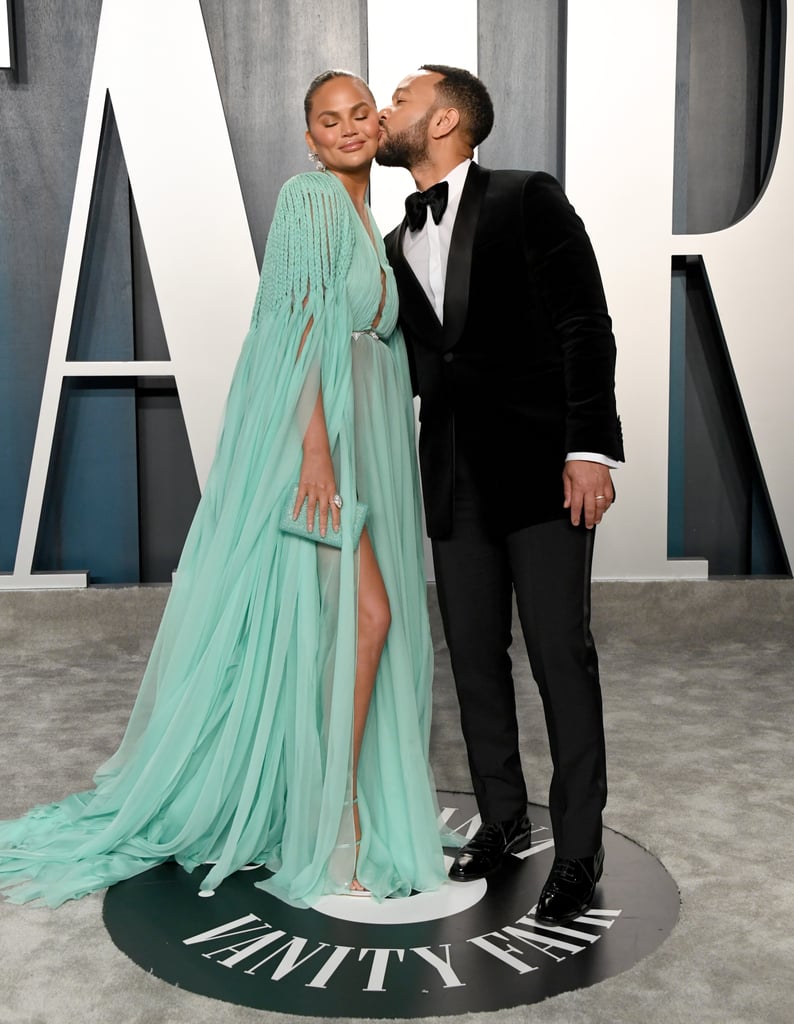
154	61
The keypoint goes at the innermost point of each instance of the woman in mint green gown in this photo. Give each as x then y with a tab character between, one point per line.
275	654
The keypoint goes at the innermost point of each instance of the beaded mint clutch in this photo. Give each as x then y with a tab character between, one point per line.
299	527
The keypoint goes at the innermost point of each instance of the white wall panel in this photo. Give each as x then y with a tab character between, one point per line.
5	36
402	37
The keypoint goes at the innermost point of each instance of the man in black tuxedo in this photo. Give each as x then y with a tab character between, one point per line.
513	358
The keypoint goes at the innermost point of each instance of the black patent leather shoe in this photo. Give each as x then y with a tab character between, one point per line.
489	846
569	889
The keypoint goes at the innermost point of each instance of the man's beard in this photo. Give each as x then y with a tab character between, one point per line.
406	149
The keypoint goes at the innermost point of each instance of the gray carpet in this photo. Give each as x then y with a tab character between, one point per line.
699	709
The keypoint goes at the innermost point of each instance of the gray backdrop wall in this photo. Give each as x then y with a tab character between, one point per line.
122	486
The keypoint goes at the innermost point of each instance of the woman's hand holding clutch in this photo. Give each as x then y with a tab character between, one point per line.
318	483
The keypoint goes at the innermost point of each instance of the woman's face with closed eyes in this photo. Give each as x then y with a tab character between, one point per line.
343	125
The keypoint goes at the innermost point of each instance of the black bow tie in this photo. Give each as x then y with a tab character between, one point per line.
416	205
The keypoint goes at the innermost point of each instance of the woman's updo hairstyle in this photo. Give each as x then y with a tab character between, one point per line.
328	76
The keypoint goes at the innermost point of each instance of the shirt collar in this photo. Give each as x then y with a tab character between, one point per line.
456	179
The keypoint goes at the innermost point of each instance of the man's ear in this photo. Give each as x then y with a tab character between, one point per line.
445	121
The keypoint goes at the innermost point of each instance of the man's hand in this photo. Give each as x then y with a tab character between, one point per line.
588	489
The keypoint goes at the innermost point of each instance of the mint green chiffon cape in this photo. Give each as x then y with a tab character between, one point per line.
238	749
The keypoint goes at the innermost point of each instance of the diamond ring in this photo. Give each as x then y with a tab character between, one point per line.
337	500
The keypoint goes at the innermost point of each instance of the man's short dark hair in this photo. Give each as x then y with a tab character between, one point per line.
464	91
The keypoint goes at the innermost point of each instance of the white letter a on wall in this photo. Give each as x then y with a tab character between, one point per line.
153	58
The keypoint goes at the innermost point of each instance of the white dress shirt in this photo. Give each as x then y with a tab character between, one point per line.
427	250
427	254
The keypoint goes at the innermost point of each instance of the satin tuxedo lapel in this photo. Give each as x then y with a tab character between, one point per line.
416	311
456	287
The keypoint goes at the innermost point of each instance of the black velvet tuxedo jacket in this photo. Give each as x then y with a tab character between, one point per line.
522	370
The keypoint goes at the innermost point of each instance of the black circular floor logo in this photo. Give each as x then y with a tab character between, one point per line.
471	946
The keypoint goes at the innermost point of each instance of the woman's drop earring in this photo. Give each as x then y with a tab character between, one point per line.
315	159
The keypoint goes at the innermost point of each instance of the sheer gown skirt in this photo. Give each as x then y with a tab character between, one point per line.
239	746
400	848
401	845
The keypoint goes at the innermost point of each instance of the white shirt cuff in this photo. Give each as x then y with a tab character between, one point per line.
592	457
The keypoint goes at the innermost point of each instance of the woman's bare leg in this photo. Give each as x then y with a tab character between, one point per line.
374	619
